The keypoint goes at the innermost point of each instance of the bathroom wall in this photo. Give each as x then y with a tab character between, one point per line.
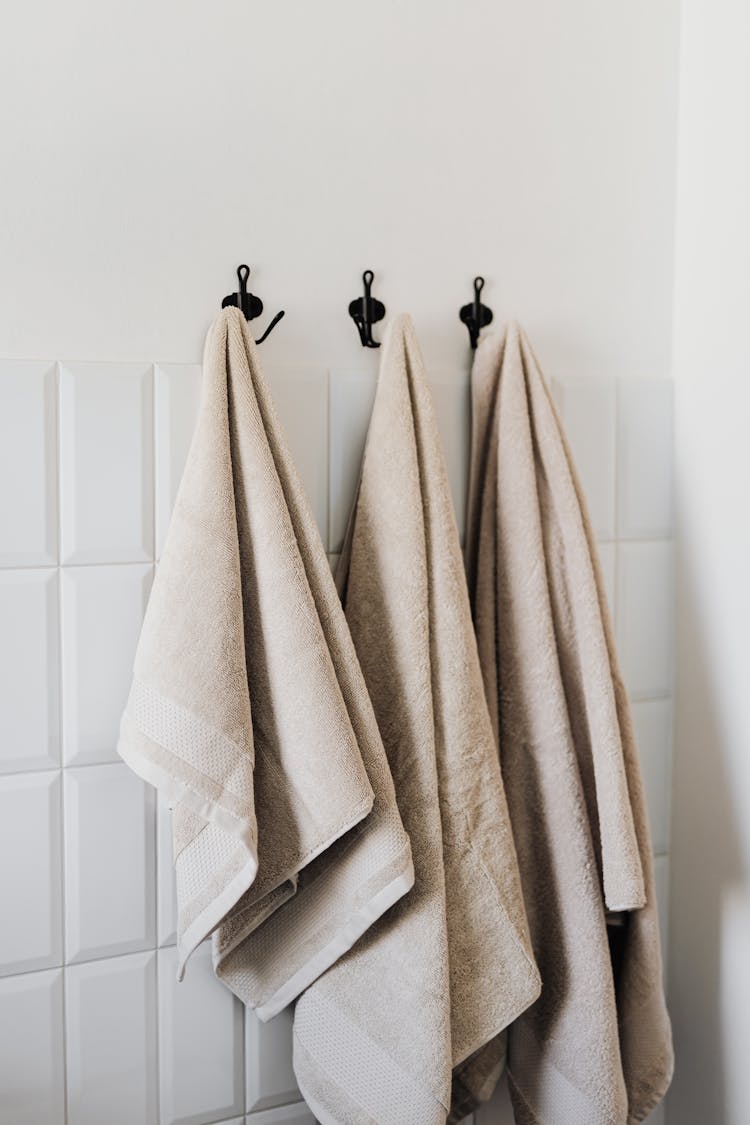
710	970
90	1013
146	151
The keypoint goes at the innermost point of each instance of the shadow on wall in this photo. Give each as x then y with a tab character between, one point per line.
708	878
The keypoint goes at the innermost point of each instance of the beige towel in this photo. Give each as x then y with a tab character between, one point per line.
248	710
596	1048
430	987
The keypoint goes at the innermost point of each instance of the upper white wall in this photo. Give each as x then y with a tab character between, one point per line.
148	148
710	900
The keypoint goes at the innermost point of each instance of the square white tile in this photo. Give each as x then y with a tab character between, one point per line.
200	1042
587	408
166	893
652	719
644	458
352	394
31	1049
645	617
452	400
176	396
28	458
111	1041
29	670
30	872
102	613
110	862
301	399
106	462
270	1078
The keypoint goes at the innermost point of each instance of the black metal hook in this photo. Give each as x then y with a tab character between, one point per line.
366	311
250	305
475	315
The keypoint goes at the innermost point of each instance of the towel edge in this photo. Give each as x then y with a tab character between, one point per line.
358	925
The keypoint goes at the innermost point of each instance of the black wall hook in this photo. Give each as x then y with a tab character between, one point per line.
250	305
476	316
366	311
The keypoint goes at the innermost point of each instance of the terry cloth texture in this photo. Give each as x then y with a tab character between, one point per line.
248	710
596	1048
415	1011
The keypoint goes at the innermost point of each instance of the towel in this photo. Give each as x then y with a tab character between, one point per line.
596	1048
248	710
427	991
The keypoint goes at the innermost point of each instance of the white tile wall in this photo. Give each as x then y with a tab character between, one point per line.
28	453
270	1078
201	1044
110	1015
166	904
645	596
644	435
31	1049
110	862
297	1114
93	1026
176	399
102	611
351	397
652	719
301	398
30	872
29	669
106	462
587	408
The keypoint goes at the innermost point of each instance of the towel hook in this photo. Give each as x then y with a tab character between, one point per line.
475	315
366	311
250	305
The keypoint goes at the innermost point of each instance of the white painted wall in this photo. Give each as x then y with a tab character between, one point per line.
710	911
148	148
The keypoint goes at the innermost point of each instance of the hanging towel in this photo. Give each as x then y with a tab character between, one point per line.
596	1048
430	987
248	709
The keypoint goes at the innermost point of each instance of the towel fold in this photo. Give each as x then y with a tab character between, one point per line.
410	1020
596	1047
248	710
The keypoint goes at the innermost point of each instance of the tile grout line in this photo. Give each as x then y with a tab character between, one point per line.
153	465
60	735
157	1025
155	822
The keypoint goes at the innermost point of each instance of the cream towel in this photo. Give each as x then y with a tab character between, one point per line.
430	987
248	710
596	1048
